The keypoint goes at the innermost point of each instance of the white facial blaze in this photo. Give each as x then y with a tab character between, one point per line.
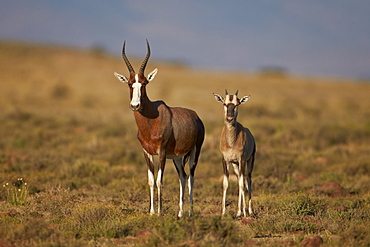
136	87
234	99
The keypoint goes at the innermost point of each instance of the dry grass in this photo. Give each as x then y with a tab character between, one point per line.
67	131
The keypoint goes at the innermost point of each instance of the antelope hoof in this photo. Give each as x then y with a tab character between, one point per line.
179	216
191	210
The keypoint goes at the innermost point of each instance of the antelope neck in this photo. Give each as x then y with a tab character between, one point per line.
230	133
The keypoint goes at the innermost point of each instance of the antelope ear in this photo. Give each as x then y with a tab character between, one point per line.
152	74
244	99
121	78
218	98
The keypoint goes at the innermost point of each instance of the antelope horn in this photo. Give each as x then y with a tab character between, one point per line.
226	92
129	66
142	68
236	93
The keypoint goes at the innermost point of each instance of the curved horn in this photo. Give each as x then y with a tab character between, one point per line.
142	68
128	64
226	92
236	93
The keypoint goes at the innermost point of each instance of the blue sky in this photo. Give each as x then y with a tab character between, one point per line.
316	37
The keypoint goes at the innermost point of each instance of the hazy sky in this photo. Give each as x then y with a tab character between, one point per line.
312	37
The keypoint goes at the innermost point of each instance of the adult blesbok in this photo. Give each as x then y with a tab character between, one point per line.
169	132
238	148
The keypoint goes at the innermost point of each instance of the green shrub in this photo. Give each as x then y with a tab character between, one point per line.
17	192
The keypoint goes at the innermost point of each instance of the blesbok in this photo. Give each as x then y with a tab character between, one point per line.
238	148
170	132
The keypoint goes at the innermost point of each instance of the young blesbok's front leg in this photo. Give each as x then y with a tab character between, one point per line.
182	179
149	161
225	184
241	200
250	165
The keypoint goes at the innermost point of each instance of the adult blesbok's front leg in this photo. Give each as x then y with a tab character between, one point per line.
151	180
162	164
182	179
225	184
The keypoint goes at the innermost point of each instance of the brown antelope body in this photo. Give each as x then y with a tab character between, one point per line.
169	132
238	148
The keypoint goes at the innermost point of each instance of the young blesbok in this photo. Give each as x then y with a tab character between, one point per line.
238	148
169	132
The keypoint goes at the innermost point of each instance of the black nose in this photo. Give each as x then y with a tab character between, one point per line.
229	119
135	107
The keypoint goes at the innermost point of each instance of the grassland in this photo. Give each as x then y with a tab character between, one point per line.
73	174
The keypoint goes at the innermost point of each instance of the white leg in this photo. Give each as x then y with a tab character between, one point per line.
182	180
249	187
225	186
151	188
250	165
181	199
241	188
149	161
236	169
162	164
239	175
190	185
191	179
241	200
159	187
239	213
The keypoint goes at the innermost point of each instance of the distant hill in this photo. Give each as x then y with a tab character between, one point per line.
64	79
